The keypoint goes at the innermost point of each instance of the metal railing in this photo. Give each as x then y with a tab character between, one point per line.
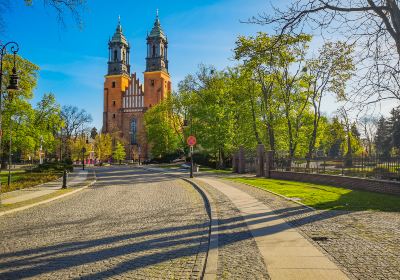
371	166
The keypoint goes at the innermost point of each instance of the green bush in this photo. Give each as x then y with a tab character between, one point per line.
55	167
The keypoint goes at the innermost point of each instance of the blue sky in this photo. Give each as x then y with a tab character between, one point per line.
73	62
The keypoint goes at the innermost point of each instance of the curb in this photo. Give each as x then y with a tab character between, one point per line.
49	200
210	268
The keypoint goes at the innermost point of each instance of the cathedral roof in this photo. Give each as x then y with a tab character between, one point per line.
157	31
118	35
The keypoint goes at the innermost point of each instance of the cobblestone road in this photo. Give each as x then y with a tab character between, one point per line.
129	225
365	243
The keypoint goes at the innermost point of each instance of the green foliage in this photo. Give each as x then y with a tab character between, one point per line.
163	128
103	146
27	124
119	152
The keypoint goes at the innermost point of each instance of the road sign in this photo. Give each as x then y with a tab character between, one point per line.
191	141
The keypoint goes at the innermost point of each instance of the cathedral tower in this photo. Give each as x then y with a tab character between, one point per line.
126	100
116	80
157	82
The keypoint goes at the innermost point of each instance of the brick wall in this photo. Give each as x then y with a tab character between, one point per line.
380	186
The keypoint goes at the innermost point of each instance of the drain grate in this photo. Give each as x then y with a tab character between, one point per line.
319	238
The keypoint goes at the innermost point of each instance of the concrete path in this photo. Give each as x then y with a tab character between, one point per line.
286	253
31	193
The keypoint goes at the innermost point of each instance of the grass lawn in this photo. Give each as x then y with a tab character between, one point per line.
169	165
21	179
218	171
6	207
327	197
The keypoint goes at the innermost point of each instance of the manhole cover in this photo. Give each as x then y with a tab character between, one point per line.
319	238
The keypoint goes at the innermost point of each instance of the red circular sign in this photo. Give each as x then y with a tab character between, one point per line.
191	140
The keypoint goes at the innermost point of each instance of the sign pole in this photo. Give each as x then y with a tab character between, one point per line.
191	161
191	141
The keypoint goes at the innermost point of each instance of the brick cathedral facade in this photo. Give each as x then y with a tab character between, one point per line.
125	98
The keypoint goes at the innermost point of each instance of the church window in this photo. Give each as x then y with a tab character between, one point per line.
113	84
114	103
115	55
152	83
154	51
113	116
133	132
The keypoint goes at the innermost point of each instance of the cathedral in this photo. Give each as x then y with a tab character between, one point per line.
126	99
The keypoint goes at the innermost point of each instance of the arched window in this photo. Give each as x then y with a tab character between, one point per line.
133	132
154	51
115	55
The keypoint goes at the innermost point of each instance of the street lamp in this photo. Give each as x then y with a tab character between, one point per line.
13	84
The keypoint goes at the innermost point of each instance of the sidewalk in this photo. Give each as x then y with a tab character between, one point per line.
287	254
74	179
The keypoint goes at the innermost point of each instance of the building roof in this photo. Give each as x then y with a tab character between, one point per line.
118	36
157	31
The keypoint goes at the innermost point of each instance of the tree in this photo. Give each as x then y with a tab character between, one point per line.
163	128
373	24
383	138
103	146
61	8
93	133
328	74
395	127
368	126
74	122
119	152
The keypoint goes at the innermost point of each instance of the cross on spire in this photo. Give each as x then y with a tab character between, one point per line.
157	12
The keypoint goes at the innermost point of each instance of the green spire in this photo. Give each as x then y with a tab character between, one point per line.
157	30
118	35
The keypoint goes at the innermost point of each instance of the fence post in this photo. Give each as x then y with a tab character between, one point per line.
241	161
260	160
269	162
234	163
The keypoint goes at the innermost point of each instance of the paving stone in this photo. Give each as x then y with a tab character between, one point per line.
130	225
365	244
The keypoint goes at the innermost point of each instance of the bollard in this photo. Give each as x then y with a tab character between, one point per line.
64	185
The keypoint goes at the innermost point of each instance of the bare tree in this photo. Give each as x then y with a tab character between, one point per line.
75	121
62	8
368	125
373	24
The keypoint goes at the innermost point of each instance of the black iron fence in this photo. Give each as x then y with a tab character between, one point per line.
375	167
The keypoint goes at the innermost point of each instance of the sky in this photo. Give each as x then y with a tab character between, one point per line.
73	60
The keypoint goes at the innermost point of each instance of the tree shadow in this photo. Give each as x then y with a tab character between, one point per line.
134	252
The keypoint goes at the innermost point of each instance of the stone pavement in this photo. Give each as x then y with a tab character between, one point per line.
131	224
364	243
74	179
286	253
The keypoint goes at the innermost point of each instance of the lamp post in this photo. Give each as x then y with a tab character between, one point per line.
13	85
10	153
41	150
84	151
139	152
